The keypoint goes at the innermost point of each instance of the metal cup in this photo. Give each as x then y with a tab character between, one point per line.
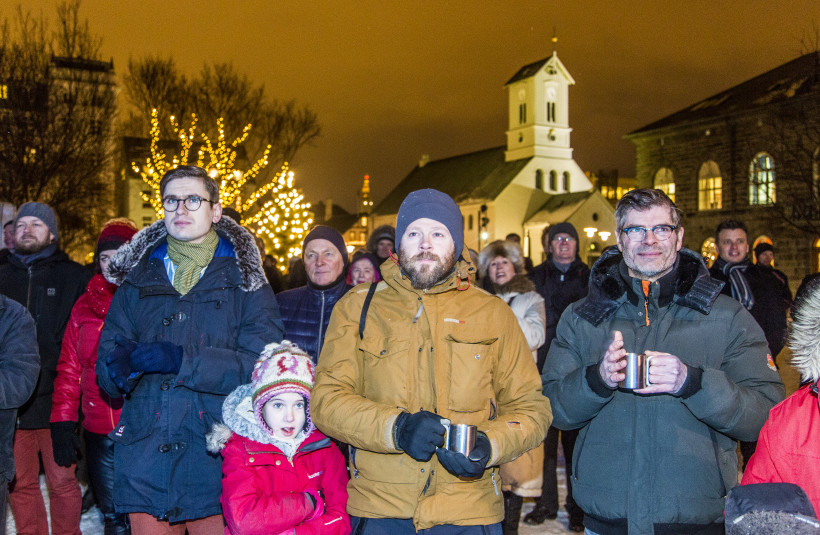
459	437
636	371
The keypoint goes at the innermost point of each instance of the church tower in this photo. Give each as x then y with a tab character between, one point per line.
365	203
538	98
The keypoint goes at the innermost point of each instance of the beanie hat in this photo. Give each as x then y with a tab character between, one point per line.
115	233
434	205
43	212
566	228
762	247
321	232
282	368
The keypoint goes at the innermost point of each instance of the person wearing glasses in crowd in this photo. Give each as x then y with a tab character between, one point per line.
657	459
184	329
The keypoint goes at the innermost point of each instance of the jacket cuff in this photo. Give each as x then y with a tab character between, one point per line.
692	385
319	508
596	382
394	424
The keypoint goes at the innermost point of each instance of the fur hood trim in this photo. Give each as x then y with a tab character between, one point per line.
694	288
804	336
520	284
146	240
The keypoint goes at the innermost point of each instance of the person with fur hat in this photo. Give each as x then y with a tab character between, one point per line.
77	381
280	473
306	310
423	345
502	262
191	315
40	276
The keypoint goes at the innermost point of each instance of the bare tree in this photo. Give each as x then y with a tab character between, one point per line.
56	120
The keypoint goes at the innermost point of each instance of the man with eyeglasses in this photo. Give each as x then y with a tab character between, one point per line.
658	459
192	314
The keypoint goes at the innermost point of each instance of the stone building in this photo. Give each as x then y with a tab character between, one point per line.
750	153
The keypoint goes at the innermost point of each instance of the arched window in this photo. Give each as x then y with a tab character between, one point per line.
566	181
553	181
470	222
665	181
710	186
761	180
539	180
709	251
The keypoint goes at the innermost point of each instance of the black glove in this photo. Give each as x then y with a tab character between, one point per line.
157	357
119	363
419	434
65	442
469	467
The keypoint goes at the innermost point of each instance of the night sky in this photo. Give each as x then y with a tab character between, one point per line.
392	80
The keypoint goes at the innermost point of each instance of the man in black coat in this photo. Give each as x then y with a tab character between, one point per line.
561	280
19	364
40	276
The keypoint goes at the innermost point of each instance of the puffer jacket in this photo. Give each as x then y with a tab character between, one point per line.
659	463
48	288
453	350
76	375
161	465
19	366
306	313
265	480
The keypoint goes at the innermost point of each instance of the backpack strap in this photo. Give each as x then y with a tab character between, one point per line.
365	306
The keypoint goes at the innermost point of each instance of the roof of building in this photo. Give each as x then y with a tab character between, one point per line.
476	175
560	207
797	77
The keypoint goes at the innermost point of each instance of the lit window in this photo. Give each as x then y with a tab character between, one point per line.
553	181
665	181
539	180
761	180
4	91
710	187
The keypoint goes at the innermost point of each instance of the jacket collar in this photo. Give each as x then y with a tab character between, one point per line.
688	285
460	279
148	239
57	255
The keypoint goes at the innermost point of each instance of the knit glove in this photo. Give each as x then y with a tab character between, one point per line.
65	442
419	434
471	466
157	357
119	363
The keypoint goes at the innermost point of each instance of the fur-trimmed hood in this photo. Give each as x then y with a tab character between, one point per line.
804	335
147	239
520	284
693	287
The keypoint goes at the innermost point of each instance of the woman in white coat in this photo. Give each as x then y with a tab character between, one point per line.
503	263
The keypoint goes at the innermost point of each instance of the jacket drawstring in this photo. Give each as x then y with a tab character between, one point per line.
645	286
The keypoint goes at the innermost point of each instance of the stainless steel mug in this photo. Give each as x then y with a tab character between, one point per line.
636	371
459	437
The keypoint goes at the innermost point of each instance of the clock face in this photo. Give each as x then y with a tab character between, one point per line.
522	94
551	93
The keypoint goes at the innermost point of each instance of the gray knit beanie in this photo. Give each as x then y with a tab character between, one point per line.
434	205
44	213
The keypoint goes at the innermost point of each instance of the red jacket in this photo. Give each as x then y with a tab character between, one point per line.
788	448
263	492
75	369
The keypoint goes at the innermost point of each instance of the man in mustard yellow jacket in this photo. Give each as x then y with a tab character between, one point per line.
424	345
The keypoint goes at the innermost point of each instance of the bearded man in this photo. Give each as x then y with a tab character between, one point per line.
420	346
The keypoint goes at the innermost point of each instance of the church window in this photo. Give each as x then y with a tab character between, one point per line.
710	186
470	222
522	113
761	180
551	112
665	181
553	181
566	181
539	180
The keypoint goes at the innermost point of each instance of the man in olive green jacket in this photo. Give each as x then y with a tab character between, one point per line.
658	459
423	346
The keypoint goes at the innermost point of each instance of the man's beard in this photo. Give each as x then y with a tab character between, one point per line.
27	247
426	276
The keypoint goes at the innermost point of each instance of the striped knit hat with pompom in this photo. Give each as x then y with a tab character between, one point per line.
282	368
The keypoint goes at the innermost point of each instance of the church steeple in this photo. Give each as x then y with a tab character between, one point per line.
365	204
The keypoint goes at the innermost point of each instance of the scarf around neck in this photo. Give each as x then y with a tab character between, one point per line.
736	273
191	259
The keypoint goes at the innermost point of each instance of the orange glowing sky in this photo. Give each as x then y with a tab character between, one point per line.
392	80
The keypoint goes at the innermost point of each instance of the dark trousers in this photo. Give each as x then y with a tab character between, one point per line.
404	526
99	450
4	493
549	490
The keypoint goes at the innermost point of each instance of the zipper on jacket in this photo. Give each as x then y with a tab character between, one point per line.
353	462
28	290
495	483
321	323
427	484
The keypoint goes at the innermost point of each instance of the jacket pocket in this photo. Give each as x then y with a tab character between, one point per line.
132	430
471	365
385	369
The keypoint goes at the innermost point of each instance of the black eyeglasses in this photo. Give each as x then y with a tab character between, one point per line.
661	232
192	203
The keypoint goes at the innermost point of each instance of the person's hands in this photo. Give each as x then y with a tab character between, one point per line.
419	434
157	357
471	466
614	361
65	442
119	363
666	373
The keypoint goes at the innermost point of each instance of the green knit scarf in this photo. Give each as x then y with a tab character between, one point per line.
191	259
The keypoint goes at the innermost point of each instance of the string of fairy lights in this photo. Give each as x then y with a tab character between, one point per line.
284	217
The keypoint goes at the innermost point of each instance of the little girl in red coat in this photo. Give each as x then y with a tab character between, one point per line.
280	474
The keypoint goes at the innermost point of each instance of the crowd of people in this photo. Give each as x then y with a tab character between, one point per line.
206	393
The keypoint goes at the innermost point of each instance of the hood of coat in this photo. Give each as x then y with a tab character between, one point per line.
693	287
520	284
460	278
99	294
804	336
144	241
